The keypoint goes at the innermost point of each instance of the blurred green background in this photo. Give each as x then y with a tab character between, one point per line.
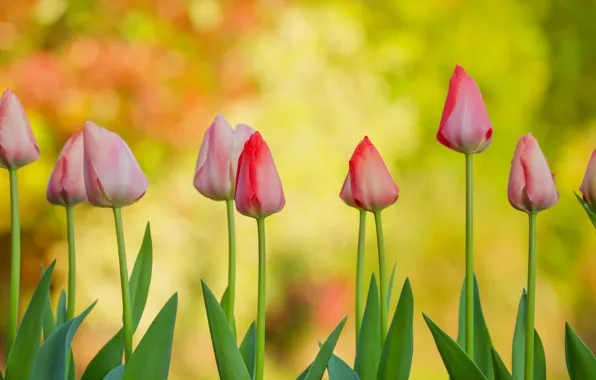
314	77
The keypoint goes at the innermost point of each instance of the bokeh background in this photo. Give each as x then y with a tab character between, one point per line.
314	77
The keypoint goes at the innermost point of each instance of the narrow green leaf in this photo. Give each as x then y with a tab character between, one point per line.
71	367
248	349
319	365
501	372
108	358
539	358
61	309
227	356
368	347
519	341
140	278
581	363
50	363
26	344
390	288
340	370
587	208
482	341
224	306
116	373
396	359
49	325
458	364
151	359
304	373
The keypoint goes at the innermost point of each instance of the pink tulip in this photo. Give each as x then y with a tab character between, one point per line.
465	126
67	184
17	143
531	183
588	187
215	174
112	175
259	192
368	185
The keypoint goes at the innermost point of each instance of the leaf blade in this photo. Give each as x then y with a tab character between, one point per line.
319	365
581	363
368	347
248	349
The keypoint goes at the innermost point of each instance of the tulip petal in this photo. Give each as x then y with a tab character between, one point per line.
18	146
588	186
67	185
346	192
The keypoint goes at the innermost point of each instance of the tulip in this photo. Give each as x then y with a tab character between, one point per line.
215	174
588	187
531	183
112	175
17	143
67	185
259	192
465	126
368	185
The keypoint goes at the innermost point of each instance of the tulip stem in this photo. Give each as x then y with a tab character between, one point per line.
231	264
531	299
261	302
382	273
126	300
71	262
360	272
15	261
470	255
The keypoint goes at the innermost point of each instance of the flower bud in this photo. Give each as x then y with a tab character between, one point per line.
67	184
17	143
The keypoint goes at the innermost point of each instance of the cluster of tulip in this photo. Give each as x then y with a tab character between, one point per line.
236	166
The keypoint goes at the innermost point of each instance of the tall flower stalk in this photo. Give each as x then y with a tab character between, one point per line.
19	148
465	128
231	263
124	284
531	189
360	272
382	275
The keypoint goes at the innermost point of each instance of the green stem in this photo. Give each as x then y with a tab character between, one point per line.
126	300
470	255
231	263
531	299
382	272
261	302
15	261
360	273
71	263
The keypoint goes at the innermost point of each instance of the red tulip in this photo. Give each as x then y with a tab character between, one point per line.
368	185
531	183
465	126
259	192
112	175
17	143
67	185
215	174
588	187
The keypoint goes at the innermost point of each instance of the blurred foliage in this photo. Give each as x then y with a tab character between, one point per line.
314	77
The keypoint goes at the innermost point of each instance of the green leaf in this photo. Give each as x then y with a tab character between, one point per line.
458	364
248	349
319	365
581	363
151	359
61	309
539	358
227	356
26	344
108	358
586	206
340	370
396	359
224	307
49	325
519	346
368	347
116	373
140	279
390	288
501	372
50	363
304	373
482	342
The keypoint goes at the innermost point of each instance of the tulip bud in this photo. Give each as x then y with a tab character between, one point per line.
112	175
531	183
67	185
259	192
465	126
17	143
215	174
588	187
368	185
